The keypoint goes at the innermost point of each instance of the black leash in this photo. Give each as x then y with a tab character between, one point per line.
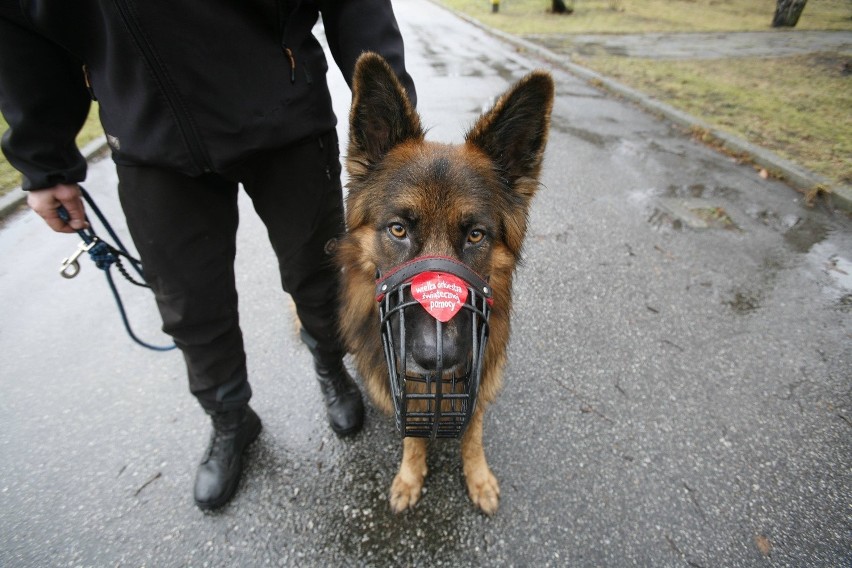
105	256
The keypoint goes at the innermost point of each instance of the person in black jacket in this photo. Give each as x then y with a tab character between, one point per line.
195	100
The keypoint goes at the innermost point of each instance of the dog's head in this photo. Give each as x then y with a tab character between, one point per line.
410	198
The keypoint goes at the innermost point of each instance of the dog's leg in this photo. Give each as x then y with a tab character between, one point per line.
408	483
482	486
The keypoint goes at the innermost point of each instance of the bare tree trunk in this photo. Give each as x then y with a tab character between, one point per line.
787	13
559	7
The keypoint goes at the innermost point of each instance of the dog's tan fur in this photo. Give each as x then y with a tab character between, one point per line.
437	192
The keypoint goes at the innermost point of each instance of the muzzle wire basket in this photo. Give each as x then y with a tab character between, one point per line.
438	404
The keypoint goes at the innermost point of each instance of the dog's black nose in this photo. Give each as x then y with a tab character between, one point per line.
454	346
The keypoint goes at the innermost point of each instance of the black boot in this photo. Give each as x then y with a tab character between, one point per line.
217	476
343	402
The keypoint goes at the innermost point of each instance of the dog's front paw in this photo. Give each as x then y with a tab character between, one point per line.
484	490
405	492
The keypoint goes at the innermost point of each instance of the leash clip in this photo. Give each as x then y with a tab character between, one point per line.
71	266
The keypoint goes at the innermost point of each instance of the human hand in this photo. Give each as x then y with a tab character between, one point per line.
46	203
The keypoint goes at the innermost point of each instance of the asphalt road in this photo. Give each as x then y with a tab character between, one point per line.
675	396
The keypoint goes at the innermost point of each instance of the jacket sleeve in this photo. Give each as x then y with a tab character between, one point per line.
353	27
44	99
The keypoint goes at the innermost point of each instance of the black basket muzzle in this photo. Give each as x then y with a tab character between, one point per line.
438	402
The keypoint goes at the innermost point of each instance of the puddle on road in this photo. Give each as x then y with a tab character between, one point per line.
830	260
805	233
699	190
593	138
780	223
714	217
661	220
801	233
811	242
693	206
694	213
744	302
699	206
840	270
824	248
631	149
505	72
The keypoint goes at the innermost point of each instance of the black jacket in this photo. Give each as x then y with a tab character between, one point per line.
192	86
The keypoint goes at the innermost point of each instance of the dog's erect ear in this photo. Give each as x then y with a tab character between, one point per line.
381	115
514	132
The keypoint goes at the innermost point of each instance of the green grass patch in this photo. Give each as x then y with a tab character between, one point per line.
10	178
797	107
522	17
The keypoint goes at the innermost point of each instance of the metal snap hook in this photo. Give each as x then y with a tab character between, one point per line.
71	266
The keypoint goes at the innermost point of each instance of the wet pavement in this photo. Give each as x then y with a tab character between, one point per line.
676	394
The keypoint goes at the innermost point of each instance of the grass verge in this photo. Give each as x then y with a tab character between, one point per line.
523	17
797	107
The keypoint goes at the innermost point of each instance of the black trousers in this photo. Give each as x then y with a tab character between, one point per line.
185	231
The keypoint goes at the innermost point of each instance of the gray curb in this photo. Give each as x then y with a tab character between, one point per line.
839	196
13	200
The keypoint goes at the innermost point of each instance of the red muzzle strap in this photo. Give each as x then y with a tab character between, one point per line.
440	264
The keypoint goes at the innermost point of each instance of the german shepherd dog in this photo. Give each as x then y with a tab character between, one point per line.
410	198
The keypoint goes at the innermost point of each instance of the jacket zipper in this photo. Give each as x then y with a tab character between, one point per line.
284	11
164	83
292	59
88	81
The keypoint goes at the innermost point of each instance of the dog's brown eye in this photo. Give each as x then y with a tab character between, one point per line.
475	236
397	230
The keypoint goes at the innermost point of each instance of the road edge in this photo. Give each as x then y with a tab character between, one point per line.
802	180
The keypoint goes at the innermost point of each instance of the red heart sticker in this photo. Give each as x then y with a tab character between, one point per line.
440	294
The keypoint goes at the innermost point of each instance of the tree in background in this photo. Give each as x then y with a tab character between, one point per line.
787	13
559	7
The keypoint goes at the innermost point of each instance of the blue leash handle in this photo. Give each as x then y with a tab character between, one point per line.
104	256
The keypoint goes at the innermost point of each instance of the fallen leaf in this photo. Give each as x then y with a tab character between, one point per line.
763	544
812	194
